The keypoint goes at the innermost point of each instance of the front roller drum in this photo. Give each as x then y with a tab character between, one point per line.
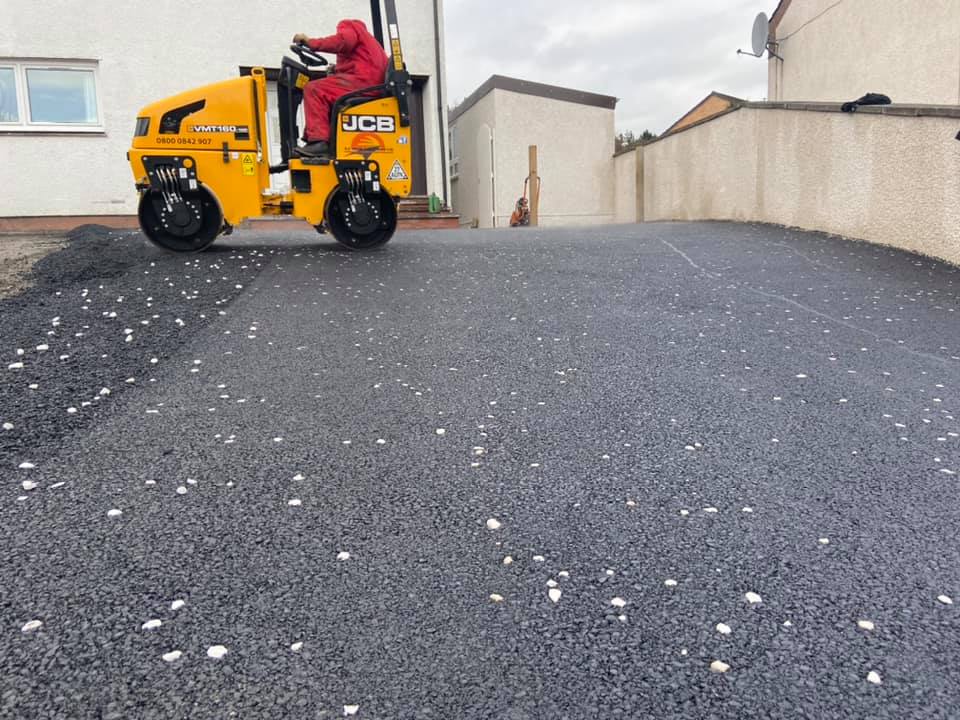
361	222
187	223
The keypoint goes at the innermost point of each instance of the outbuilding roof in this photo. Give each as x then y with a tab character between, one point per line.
525	87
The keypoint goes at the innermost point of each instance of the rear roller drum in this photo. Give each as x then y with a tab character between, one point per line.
361	222
185	223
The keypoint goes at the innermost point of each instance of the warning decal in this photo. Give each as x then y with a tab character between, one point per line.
247	163
397	172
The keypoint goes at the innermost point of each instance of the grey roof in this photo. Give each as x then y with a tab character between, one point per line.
525	87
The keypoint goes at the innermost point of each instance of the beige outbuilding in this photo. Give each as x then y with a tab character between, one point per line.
491	131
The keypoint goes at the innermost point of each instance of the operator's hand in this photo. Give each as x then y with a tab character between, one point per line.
300	39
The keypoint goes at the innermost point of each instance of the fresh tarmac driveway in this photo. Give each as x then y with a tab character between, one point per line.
532	474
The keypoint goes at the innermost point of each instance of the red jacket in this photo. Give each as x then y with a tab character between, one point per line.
358	52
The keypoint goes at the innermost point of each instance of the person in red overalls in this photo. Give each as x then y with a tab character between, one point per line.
361	62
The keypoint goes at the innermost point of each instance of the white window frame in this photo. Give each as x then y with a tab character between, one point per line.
25	123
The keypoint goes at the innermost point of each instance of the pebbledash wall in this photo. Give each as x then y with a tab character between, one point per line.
889	175
143	52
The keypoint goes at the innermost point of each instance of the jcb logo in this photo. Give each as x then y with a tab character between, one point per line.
369	123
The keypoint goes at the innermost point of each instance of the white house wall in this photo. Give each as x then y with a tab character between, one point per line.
575	150
148	51
907	49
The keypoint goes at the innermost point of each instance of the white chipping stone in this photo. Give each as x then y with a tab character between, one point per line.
104	392
563	574
670	583
508	560
350	710
753	598
71	411
824	541
539	558
15	366
946	600
172	656
618	602
151	625
441	431
865	625
28	485
711	510
381	441
295	502
177	604
555	594
298	477
26	466
631	503
748	510
723	629
42	348
181	490
31	626
493	524
216	651
8	426
684	513
297	647
718	666
114	513
496	598
874	678
343	556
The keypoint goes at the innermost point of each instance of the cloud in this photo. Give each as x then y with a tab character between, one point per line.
660	57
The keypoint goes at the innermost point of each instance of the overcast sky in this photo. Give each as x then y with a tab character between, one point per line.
660	57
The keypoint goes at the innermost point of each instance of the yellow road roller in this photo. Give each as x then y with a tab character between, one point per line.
201	166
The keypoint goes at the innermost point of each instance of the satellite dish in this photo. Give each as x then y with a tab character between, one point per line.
761	33
761	39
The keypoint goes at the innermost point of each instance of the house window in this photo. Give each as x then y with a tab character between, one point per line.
37	96
9	112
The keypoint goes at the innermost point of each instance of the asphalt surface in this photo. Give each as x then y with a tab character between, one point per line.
658	420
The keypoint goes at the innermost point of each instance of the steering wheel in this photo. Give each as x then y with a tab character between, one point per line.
308	56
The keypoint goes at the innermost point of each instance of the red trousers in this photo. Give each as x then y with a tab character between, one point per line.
319	96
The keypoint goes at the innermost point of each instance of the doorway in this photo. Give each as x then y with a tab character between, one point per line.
418	141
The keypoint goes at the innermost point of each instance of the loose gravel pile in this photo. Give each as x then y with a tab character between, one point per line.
102	314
